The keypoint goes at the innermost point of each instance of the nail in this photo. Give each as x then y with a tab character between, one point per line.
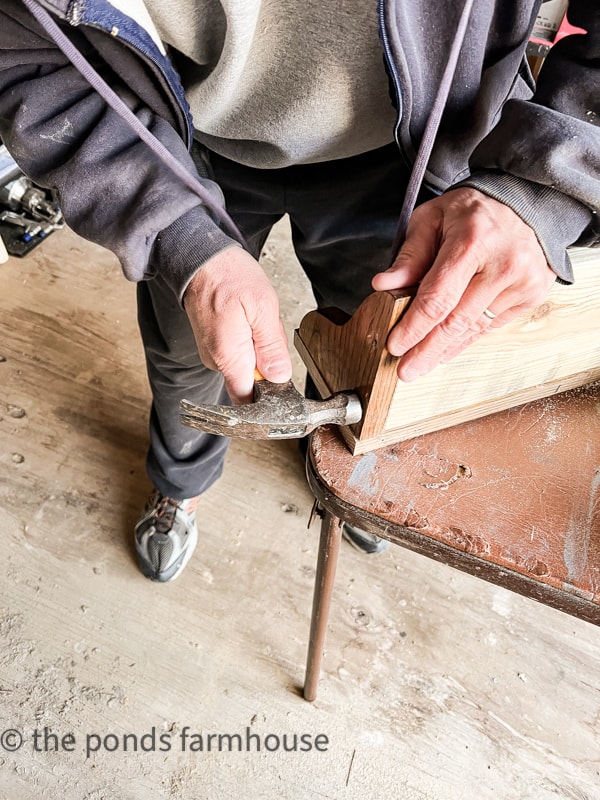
410	374
396	350
275	369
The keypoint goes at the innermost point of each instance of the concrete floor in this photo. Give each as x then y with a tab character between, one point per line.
435	685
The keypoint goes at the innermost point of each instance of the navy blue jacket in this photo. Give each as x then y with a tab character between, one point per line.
537	149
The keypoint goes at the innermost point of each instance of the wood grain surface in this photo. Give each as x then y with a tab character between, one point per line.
550	349
353	356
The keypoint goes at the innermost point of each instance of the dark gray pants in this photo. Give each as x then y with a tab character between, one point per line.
343	217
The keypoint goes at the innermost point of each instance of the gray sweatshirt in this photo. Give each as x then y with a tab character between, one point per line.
278	82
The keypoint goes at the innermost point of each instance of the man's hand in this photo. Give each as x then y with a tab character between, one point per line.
234	313
469	253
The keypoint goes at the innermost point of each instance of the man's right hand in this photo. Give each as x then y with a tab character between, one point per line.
234	313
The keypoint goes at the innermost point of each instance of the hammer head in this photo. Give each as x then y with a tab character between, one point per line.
279	411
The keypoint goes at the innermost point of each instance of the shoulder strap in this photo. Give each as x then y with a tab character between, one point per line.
431	129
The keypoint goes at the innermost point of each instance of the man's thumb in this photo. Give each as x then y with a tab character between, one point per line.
272	357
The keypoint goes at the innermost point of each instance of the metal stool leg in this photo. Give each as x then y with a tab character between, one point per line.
329	546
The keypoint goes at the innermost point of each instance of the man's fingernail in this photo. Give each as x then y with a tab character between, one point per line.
395	349
278	366
276	369
410	374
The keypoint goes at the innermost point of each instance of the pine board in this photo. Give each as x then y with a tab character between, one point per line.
551	349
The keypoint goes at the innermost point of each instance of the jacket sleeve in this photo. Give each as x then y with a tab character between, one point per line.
543	157
112	189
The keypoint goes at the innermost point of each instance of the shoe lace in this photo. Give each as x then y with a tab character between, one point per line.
164	514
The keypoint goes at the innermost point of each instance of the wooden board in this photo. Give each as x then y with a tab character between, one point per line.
551	349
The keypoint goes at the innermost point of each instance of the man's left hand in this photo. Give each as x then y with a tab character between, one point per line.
469	253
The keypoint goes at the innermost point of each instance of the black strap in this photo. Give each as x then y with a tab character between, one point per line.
431	129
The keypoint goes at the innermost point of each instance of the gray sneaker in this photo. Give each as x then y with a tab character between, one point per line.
363	541
165	536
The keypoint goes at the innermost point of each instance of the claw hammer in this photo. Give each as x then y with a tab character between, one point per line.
279	411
